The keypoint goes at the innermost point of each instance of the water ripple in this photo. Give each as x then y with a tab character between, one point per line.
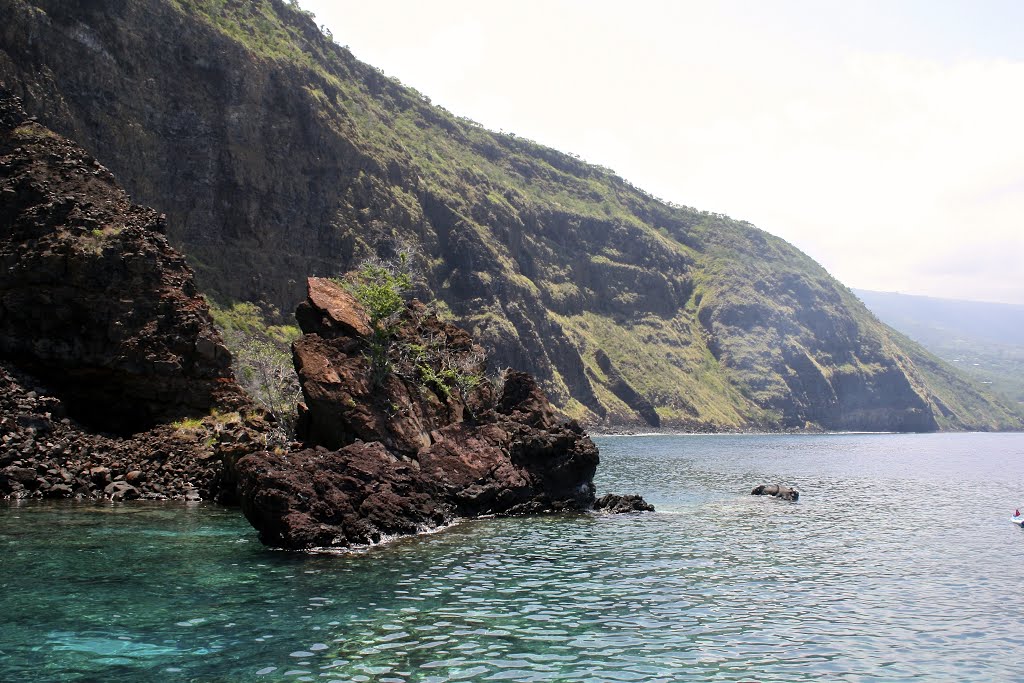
882	571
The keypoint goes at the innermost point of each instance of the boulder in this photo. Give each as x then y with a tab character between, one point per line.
332	310
615	504
120	490
777	490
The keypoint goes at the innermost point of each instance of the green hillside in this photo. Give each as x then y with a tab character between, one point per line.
276	154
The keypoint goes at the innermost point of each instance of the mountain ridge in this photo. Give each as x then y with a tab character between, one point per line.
981	338
996	322
277	155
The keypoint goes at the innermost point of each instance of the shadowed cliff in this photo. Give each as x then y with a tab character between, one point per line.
114	382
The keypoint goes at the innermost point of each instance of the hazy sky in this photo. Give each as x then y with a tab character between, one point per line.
885	139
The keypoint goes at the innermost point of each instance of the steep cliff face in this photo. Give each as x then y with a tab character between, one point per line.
104	343
277	155
92	299
802	347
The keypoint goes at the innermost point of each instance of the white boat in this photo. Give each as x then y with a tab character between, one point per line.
1018	520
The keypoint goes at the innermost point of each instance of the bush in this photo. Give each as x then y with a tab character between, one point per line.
262	361
266	373
381	286
441	370
381	291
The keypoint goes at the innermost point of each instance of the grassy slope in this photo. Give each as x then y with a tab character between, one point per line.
716	360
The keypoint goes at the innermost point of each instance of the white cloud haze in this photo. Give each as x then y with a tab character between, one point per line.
884	139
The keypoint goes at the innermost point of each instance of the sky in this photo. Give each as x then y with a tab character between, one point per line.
883	138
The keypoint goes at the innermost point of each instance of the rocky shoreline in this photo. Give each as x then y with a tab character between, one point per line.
115	384
45	454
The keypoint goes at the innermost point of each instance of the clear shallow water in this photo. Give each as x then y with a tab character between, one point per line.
898	563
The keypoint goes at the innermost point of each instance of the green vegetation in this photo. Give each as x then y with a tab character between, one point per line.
261	358
267	374
254	24
380	287
188	423
997	366
250	320
666	361
442	371
33	131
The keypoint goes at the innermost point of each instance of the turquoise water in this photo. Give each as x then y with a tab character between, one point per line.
898	563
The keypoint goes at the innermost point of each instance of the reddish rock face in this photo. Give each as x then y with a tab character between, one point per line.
409	451
332	311
347	399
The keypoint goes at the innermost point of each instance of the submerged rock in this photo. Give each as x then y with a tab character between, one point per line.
616	504
777	490
408	451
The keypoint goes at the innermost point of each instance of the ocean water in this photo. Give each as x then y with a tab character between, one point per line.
898	563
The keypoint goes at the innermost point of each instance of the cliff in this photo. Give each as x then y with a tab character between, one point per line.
104	342
277	155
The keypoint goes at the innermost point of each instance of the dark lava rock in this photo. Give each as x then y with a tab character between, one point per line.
120	490
93	300
344	401
70	461
783	492
616	504
407	453
104	340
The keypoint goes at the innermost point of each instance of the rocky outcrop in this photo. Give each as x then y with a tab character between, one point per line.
93	301
412	448
104	341
346	398
616	504
777	490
